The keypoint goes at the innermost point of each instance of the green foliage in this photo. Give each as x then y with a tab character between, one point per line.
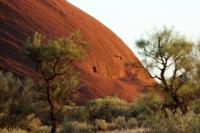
196	106
70	127
132	123
115	110
146	104
54	64
164	43
43	129
6	130
174	123
146	113
101	124
164	50
149	114
76	127
17	103
77	113
106	108
68	47
120	121
168	56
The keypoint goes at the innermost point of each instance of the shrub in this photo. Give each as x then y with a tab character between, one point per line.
10	130
112	126
17	102
132	123
101	124
106	108
43	129
196	106
70	127
31	122
146	104
76	113
174	123
120	121
76	127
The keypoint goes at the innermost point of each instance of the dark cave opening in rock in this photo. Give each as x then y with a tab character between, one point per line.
94	69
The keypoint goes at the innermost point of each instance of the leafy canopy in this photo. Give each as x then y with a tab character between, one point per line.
167	55
54	64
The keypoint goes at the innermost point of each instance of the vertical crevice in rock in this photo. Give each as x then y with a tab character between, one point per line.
94	69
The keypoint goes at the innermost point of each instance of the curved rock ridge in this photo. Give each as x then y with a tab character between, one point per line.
110	67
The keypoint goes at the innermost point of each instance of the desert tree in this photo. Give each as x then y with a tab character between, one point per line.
167	56
54	65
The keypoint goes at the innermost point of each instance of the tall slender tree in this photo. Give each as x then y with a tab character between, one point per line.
54	64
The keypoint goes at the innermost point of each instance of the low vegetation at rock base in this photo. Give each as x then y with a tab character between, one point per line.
47	105
103	115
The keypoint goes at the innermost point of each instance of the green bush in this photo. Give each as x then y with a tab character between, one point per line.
120	121
174	122
30	123
76	127
195	105
10	130
17	103
146	104
101	124
106	108
43	129
70	127
75	113
112	126
132	123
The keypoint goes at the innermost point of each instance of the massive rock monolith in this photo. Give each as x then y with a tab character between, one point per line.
110	67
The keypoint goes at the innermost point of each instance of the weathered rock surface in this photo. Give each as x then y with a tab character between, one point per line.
103	71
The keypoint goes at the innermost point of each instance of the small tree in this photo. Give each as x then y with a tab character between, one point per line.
167	55
54	64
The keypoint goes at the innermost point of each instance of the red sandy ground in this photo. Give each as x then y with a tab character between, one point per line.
57	18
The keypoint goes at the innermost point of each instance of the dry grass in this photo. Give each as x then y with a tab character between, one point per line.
138	130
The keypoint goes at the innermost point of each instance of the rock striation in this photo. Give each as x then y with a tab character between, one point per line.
110	67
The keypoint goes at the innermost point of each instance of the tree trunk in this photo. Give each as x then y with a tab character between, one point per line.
52	110
177	104
180	104
53	119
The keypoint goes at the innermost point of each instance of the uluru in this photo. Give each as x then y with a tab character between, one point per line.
110	67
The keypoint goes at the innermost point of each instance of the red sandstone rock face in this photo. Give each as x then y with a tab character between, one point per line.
103	71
